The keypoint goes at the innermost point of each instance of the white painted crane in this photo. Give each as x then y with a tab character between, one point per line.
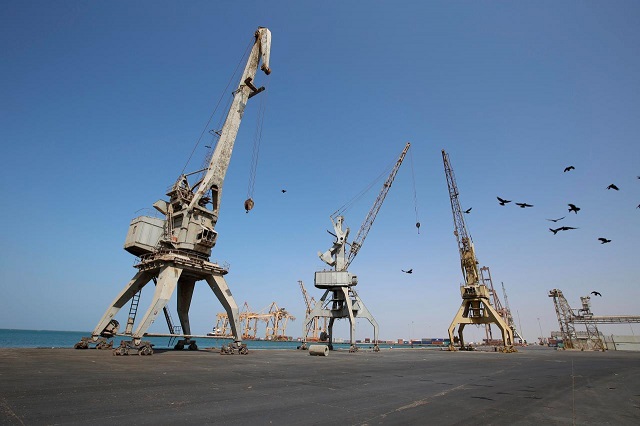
175	251
339	283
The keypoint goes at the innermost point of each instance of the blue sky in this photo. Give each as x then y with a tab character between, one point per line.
101	104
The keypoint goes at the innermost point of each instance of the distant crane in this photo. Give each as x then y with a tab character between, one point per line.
176	249
509	317
339	283
503	310
568	318
476	307
312	333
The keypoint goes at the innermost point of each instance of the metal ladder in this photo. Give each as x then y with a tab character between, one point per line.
133	310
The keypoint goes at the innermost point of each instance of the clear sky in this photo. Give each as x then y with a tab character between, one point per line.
101	104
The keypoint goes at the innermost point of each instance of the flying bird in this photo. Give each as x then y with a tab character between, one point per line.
568	169
410	271
562	228
523	205
467	211
556	220
503	202
284	190
573	208
603	240
595	293
612	186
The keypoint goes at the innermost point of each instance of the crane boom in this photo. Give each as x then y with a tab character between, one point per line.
468	261
219	163
192	211
371	216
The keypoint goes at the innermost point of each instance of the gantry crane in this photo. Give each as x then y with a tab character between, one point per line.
339	283
313	332
476	307
175	250
568	318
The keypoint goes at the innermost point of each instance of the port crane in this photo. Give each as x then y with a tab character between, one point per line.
568	318
174	251
313	332
476	307
340	299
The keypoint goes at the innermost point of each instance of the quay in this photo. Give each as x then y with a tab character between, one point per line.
288	387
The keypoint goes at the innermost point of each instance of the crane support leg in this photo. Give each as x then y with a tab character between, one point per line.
479	311
185	293
363	312
136	283
222	292
352	319
167	281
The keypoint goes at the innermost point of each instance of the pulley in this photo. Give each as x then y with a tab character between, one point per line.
418	226
248	204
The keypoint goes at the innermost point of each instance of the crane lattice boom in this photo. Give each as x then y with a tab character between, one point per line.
468	260
371	216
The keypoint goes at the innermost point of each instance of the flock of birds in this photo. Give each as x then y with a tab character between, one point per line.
572	208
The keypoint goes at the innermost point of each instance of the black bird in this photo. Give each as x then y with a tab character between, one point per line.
562	228
523	205
595	293
573	208
284	190
603	240
467	211
503	202
568	169
556	220
410	271
612	186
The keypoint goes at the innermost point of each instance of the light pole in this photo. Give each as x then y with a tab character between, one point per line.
541	334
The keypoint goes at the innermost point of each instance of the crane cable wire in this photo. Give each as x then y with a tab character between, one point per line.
351	202
415	194
257	138
216	107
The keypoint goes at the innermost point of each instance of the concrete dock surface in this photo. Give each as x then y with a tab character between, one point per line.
288	387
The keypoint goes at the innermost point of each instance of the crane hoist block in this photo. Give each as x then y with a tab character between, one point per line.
329	279
144	233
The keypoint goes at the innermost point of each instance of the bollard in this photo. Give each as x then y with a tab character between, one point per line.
319	350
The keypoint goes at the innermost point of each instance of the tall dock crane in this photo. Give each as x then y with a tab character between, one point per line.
339	283
174	251
476	307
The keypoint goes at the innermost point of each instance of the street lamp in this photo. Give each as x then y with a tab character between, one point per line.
541	334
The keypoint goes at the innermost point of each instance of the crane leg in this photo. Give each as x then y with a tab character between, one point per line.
460	328
222	292
331	320
167	281
352	320
456	321
364	313
185	293
136	283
